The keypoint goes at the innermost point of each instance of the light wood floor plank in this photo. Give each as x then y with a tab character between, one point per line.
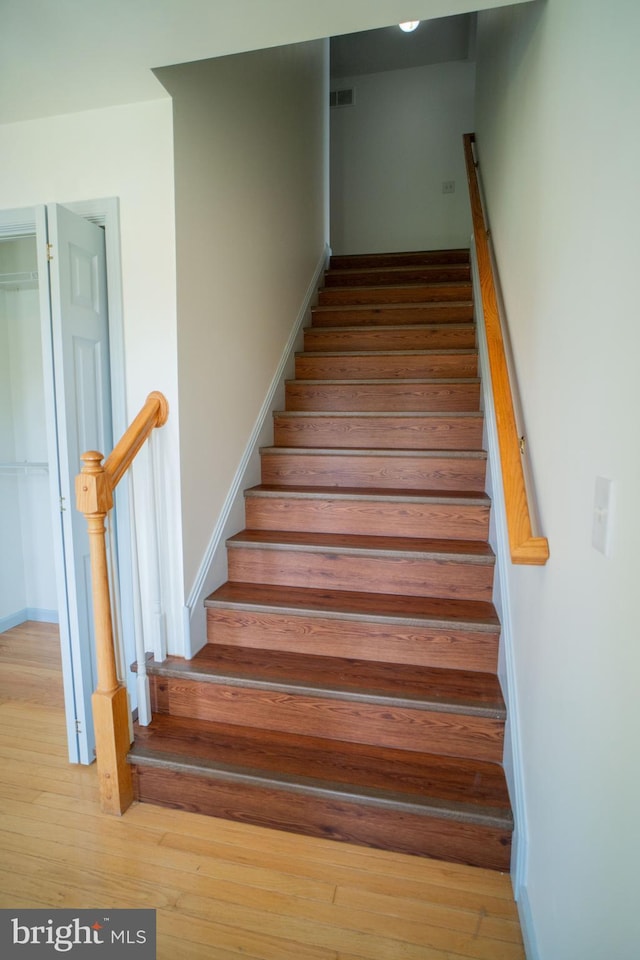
261	944
222	890
140	854
391	864
371	935
464	918
373	880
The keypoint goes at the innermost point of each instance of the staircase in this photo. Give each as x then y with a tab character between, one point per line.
348	688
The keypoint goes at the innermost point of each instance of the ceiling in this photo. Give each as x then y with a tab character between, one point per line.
373	51
65	56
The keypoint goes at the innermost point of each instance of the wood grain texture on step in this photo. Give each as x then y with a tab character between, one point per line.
408	258
383	395
389	469
348	686
355	511
451	691
380	608
433	336
378	276
386	774
425	631
383	365
457	430
327	818
442	568
406	293
390	313
445	646
355	720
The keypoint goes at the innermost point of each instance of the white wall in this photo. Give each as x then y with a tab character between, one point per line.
391	152
250	174
124	152
558	145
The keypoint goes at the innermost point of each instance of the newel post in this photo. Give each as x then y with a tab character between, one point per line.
94	498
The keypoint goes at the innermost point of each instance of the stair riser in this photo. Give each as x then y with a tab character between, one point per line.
428	731
455	336
321	515
380	366
404	576
427	313
327	818
404	473
404	258
431	273
413	293
445	648
388	433
448	397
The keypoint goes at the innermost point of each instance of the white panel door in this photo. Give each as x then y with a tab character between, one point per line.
80	347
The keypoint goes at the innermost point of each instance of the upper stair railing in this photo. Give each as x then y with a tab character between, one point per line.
524	547
94	497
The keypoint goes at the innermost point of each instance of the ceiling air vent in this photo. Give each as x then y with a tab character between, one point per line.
341	98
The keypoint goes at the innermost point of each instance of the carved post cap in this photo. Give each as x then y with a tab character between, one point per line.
92	461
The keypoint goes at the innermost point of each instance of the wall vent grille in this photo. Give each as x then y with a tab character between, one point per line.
342	98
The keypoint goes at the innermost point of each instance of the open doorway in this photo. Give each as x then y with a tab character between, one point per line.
27	568
62	345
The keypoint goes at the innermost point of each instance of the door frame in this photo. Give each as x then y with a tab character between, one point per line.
29	221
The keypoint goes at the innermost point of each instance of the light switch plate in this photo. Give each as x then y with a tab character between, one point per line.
602	511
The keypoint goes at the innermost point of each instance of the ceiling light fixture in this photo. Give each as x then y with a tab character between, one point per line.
409	25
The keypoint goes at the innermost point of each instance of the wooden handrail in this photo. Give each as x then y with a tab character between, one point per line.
524	547
153	414
94	497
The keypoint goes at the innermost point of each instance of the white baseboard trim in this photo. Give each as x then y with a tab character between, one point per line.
527	925
212	570
28	613
499	540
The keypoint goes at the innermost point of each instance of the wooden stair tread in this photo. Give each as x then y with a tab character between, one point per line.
375	493
398	269
440	290
388	381
375	452
392	328
443	362
436	351
339	678
394	429
418	305
465	790
344	604
385	288
419	393
450	311
357	260
372	414
471	551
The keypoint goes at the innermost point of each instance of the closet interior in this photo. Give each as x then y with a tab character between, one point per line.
27	571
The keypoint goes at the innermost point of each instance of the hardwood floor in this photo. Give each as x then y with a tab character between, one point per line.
221	889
